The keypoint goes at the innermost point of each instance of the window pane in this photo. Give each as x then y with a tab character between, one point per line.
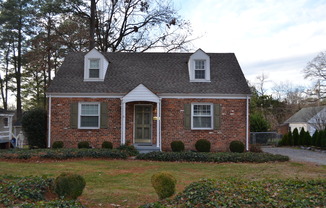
89	109
94	73
89	121
200	64
94	64
199	74
202	110
202	122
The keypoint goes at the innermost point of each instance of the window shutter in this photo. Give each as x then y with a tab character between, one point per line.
187	116
74	115
104	116
217	116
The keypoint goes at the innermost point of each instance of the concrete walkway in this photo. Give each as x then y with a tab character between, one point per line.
298	155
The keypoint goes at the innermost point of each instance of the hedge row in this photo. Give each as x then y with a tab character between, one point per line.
212	157
239	193
303	137
61	154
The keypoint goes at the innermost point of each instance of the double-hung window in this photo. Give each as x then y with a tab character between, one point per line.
94	68
202	116
200	72
89	115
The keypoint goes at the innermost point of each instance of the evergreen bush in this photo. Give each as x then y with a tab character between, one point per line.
237	146
177	146
83	145
107	145
57	145
164	184
255	148
69	185
130	150
295	137
203	145
34	125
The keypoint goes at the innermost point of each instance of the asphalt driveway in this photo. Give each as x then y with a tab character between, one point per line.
298	155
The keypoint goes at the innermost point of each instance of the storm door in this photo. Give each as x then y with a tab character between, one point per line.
143	123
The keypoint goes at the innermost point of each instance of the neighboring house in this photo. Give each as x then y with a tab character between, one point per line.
310	119
149	100
6	118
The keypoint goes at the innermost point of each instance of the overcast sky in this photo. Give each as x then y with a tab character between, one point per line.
274	37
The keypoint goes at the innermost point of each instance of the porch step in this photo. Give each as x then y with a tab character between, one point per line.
146	148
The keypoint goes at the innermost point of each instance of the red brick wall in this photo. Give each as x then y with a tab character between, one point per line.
233	123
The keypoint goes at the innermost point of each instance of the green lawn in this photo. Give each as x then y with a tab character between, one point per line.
127	182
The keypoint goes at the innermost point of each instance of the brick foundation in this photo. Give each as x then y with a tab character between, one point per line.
233	123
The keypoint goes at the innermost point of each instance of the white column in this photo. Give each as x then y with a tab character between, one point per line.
123	122
247	124
158	124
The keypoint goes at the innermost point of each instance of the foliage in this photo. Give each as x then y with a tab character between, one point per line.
258	123
62	154
69	185
219	157
107	145
240	193
304	139
15	189
57	145
83	145
295	136
177	146
130	150
237	146
255	148
203	145
164	184
34	126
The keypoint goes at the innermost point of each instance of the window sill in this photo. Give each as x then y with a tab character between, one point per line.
200	80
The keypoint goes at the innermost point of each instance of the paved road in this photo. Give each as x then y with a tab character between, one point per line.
298	155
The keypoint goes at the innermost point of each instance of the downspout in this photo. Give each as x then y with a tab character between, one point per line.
123	122
247	123
160	123
49	123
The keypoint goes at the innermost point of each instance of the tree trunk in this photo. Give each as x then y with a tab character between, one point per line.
18	72
92	25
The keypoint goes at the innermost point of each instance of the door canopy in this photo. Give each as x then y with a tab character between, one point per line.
140	93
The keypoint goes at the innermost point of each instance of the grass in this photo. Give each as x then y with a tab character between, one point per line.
127	183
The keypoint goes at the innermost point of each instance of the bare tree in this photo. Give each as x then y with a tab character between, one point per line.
262	79
136	25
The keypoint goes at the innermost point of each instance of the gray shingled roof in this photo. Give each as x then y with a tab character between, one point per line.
160	72
304	115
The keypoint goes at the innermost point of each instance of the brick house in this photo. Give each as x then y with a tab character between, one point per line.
149	100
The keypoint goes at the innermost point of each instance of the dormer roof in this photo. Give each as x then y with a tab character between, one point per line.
161	73
100	69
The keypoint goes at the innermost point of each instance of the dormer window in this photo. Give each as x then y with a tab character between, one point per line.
199	67
95	66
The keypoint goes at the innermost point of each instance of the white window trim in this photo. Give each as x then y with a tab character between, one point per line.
192	116
100	78
79	115
4	124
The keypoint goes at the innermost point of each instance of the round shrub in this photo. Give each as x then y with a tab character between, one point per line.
203	145
177	146
57	145
69	185
164	184
84	144
107	145
237	146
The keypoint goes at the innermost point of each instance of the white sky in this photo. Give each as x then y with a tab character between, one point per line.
274	37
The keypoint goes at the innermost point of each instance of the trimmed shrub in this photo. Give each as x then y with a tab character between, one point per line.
69	185
255	148
57	145
295	137
237	146
130	150
164	184
203	145
34	126
107	145
84	145
177	146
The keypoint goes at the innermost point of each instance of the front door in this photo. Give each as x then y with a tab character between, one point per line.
143	123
